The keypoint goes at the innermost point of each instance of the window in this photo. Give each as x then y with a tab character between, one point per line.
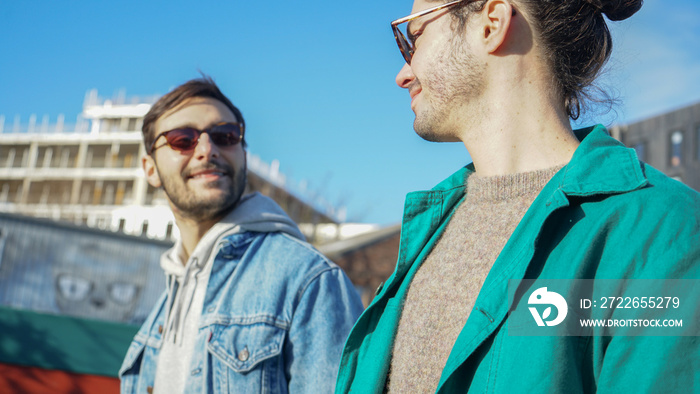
112	124
45	191
169	231
641	150
11	158
676	148
48	155
109	195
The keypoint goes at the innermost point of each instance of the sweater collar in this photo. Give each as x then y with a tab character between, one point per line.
589	171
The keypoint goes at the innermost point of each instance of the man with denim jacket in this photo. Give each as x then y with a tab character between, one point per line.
539	202
249	306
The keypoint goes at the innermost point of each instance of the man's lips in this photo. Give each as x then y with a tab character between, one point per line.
210	173
413	92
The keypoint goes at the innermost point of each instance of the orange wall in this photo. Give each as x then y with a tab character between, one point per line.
18	379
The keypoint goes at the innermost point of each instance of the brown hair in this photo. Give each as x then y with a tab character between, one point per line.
576	40
199	87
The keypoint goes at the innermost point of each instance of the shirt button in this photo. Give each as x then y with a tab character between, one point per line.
243	354
379	288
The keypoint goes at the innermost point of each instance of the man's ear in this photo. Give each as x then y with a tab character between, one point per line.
151	171
496	20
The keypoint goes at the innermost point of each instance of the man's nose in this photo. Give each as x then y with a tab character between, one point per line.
405	76
205	147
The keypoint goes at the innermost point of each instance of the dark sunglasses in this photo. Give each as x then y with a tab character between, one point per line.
186	138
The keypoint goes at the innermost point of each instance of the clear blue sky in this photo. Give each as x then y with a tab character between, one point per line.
314	79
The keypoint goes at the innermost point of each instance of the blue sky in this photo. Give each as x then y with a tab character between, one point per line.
315	80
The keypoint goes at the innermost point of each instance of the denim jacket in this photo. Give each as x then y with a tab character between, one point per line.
274	319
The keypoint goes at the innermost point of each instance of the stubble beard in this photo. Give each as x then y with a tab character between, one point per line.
191	206
457	79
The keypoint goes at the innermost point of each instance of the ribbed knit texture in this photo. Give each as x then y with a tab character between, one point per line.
443	292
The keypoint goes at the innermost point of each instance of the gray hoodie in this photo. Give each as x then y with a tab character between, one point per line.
187	283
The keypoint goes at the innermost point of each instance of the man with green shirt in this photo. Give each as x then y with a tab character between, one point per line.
540	201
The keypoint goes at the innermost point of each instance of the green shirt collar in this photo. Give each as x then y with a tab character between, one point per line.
588	173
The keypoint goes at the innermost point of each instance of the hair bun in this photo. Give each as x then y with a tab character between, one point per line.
617	10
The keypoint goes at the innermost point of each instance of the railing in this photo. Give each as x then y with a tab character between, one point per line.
43	127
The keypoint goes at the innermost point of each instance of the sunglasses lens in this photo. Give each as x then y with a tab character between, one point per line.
226	134
182	139
407	51
404	45
185	139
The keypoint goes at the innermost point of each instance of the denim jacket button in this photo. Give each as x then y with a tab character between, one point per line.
160	329
149	389
243	354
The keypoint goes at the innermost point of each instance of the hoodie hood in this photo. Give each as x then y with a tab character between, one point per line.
184	279
254	212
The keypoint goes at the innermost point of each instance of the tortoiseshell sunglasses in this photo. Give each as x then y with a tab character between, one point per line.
185	139
407	46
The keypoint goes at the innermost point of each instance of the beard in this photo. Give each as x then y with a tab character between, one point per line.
192	205
456	79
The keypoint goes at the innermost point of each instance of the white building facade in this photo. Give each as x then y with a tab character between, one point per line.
91	173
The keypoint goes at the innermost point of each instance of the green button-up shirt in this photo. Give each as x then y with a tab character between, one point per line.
605	215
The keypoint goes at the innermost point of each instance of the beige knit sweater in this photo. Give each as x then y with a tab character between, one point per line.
443	292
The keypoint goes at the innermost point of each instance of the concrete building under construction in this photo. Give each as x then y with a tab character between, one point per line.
90	172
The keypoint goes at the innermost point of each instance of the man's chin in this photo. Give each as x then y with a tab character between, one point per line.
433	136
431	130
207	210
216	200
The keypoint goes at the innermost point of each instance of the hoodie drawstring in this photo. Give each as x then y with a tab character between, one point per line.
179	303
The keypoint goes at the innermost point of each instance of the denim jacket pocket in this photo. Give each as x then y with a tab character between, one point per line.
242	347
246	356
133	355
130	374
